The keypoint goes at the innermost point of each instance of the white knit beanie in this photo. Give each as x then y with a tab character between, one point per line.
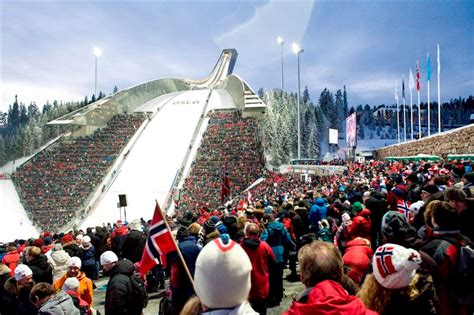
108	257
395	266
22	271
74	262
71	284
222	276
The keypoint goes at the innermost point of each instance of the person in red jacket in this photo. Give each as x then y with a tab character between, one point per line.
321	273
262	257
361	225
357	258
12	258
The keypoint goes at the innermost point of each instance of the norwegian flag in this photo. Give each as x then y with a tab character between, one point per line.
159	243
383	259
417	76
404	208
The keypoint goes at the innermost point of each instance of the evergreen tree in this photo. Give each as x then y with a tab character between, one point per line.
339	104
14	114
3	157
23	115
33	112
115	89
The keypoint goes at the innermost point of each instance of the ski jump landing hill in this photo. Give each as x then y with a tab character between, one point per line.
158	157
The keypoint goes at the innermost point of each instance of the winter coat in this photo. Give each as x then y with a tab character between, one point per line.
7	302
118	298
445	254
361	225
11	259
424	302
88	256
262	258
328	297
133	245
42	271
58	304
317	212
85	289
23	304
277	236
242	309
357	257
181	286
72	249
58	262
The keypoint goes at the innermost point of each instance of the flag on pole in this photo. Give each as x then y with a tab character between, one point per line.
396	91
411	81
225	191
403	88
428	67
159	243
417	76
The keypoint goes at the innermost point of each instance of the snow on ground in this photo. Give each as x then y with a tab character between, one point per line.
14	223
150	167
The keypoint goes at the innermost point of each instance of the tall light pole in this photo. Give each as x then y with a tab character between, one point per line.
297	50
97	52
281	42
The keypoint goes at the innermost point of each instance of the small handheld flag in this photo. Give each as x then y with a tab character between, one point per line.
159	243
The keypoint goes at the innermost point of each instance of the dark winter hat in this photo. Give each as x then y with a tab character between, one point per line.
38	242
209	226
413	178
469	177
398	192
395	228
432	189
182	233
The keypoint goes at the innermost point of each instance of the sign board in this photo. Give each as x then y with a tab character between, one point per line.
351	130
333	134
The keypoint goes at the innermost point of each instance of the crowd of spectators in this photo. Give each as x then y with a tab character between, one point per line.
54	184
229	146
412	215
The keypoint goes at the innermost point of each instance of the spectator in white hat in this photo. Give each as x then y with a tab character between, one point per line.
221	279
85	290
20	286
119	299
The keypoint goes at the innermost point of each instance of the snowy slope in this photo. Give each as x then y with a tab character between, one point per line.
150	167
14	223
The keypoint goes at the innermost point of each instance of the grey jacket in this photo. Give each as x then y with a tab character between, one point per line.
58	304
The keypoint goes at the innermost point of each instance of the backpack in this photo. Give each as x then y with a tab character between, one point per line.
139	296
461	284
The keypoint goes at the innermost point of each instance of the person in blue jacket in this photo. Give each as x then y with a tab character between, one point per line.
277	236
318	212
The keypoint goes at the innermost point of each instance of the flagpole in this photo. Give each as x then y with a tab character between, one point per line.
398	114
177	248
428	75
439	96
411	112
419	116
418	91
429	120
404	116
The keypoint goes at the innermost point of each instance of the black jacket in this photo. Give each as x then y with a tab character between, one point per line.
133	245
42	271
118	298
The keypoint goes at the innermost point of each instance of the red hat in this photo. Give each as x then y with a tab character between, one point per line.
67	238
38	242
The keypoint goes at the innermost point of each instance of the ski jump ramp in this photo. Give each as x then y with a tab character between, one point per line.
160	154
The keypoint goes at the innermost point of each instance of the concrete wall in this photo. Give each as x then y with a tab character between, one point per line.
456	141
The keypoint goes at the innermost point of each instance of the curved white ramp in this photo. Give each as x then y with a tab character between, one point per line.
150	167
